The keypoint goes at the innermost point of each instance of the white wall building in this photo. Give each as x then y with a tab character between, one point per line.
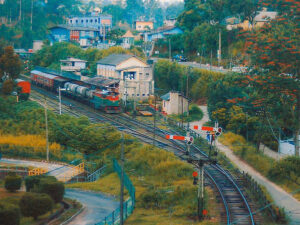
73	65
136	76
174	103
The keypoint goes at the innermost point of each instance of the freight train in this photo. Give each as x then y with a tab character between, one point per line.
98	92
24	89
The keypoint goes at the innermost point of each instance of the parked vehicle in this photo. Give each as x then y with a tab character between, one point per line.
179	58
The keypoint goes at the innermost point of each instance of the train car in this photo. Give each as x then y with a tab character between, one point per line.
106	101
99	92
24	88
42	79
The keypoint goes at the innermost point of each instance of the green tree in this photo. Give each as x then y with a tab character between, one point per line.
12	182
35	205
7	87
10	64
54	189
9	214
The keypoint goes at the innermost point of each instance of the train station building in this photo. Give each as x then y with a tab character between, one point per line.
136	76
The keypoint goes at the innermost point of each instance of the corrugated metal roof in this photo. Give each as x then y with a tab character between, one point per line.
101	81
114	59
67	75
49	76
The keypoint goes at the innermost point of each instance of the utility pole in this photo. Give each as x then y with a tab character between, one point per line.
20	13
59	98
210	59
46	122
170	55
31	13
154	119
187	89
182	109
122	182
219	52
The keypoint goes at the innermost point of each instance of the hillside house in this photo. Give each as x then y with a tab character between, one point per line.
100	22
161	33
144	25
127	39
174	103
85	36
73	65
136	76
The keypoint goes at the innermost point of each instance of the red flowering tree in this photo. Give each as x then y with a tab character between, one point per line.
273	55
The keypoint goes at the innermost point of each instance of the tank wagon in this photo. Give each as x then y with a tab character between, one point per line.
99	92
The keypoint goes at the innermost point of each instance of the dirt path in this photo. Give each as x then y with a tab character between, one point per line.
281	197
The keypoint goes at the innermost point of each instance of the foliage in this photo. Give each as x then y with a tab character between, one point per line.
7	87
172	76
24	121
54	189
12	182
17	27
33	204
50	56
30	182
9	214
247	152
10	64
286	170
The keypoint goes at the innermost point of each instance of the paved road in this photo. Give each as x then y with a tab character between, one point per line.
57	170
280	196
97	206
197	65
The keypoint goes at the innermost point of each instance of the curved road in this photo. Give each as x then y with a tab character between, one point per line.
97	206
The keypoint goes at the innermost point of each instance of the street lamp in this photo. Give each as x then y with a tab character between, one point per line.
59	97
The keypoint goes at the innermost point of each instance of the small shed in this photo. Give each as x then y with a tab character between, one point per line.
174	103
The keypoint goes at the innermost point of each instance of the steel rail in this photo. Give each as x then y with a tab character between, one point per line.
161	133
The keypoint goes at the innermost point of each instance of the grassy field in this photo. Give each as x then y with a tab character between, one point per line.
165	193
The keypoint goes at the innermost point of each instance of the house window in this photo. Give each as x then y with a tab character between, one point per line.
95	20
70	21
91	21
132	94
141	74
143	94
137	94
76	21
81	21
87	21
147	74
129	75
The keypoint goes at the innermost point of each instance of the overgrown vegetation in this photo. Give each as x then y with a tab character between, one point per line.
284	172
172	76
195	114
163	184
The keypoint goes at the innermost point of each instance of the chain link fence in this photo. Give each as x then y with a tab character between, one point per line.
128	206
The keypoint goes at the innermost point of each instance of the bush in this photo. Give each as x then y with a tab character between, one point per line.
12	182
54	189
33	204
31	181
287	169
9	214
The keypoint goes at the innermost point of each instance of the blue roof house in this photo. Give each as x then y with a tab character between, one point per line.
161	33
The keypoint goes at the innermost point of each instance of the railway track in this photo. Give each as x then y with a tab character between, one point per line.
236	207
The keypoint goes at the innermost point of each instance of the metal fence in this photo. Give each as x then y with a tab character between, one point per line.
128	206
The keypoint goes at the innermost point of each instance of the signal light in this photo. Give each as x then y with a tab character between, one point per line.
195	175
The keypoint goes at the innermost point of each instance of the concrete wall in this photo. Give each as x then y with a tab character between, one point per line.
174	105
141	87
